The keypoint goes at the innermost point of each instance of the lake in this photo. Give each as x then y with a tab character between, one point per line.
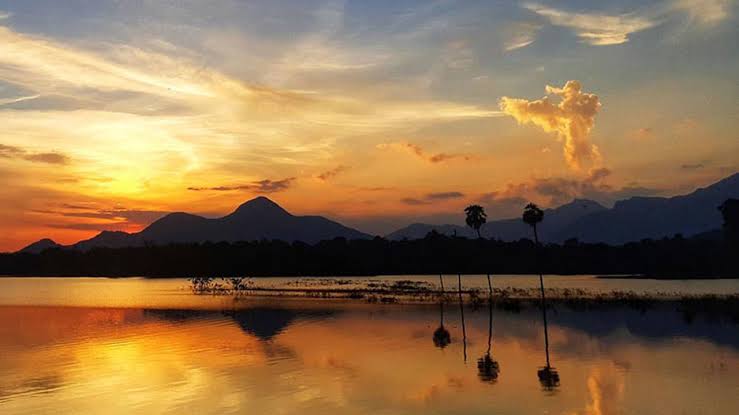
139	346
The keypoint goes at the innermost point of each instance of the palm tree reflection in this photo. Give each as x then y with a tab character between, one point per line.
442	338
487	368
548	376
461	312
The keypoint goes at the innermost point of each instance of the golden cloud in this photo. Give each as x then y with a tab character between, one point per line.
419	152
571	119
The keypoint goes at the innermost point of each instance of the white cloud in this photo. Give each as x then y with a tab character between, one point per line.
595	28
8	101
602	29
704	12
522	35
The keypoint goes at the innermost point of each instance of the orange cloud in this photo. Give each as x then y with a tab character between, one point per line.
418	151
11	152
571	119
330	174
259	186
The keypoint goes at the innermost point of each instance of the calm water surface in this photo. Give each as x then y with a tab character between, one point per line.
135	346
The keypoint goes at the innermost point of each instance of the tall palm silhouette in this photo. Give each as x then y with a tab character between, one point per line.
548	376
442	338
487	368
476	217
461	312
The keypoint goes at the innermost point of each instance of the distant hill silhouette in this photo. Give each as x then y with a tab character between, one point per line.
514	229
629	220
257	219
39	246
655	217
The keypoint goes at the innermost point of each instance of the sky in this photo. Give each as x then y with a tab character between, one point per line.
373	113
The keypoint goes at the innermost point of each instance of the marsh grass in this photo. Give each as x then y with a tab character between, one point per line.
509	299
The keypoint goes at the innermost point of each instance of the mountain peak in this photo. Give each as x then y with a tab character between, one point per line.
260	205
40	246
584	203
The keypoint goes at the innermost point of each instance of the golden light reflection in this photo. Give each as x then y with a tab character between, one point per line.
340	360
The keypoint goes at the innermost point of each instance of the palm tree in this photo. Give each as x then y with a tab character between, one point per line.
476	217
548	376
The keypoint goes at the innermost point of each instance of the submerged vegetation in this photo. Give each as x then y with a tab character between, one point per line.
378	291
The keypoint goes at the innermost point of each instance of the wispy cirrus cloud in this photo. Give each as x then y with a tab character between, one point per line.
419	152
703	12
330	174
13	152
433	197
521	35
8	101
692	166
602	29
259	186
595	28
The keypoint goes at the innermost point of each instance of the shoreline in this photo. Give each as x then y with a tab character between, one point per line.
318	277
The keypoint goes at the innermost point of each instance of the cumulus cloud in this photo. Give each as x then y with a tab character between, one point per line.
419	152
594	28
259	186
13	152
571	119
555	191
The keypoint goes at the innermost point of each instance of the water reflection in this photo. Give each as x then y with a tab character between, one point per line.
461	313
487	368
441	337
324	358
548	375
261	322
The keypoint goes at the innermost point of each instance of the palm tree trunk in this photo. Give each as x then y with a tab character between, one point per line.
478	233
441	301
461	311
543	297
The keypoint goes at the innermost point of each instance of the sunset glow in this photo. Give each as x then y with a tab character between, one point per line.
377	114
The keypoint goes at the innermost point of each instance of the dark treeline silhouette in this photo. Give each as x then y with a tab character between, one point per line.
730	211
669	257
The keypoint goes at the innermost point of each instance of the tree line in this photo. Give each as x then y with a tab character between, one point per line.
436	253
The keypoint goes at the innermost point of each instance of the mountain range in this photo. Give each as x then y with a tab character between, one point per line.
588	221
628	220
259	218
